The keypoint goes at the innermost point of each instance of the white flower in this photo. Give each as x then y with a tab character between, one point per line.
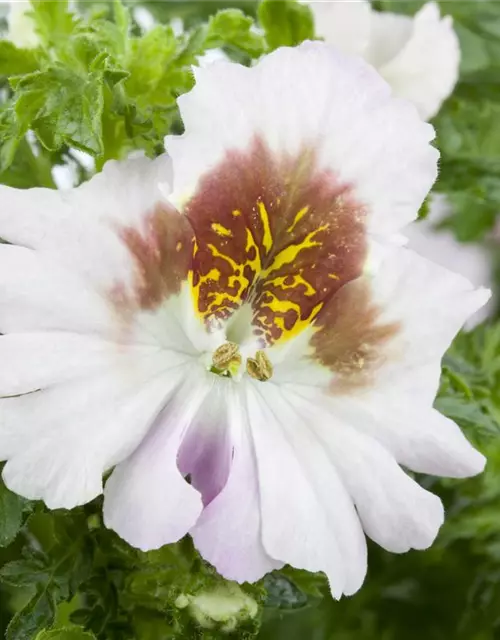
419	57
471	259
236	315
22	31
226	605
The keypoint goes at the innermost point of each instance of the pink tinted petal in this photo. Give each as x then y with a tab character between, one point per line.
206	451
228	532
146	500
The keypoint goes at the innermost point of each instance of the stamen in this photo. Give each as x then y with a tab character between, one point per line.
260	367
226	360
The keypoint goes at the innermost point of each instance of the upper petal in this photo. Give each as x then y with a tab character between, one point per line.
308	98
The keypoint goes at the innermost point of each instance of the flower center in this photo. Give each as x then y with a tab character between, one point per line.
227	360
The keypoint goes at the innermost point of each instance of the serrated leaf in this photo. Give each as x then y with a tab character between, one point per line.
66	633
14	61
37	615
285	22
62	107
11	514
232	27
25	573
148	62
54	22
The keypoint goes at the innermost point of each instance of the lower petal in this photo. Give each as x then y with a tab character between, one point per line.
395	511
72	432
228	533
147	501
308	518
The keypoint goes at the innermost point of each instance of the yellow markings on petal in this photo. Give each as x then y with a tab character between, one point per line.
221	230
284	295
297	279
280	308
289	254
298	218
178	246
267	239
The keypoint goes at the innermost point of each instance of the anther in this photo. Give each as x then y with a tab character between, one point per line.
260	367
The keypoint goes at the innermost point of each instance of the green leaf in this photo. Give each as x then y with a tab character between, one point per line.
62	107
285	22
11	514
54	22
148	63
14	61
37	615
25	573
65	633
232	27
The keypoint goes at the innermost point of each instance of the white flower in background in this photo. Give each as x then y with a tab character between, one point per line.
225	606
419	57
22	31
235	315
472	260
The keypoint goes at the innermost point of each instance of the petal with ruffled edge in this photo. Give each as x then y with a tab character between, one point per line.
147	501
308	517
394	510
425	64
97	309
341	112
379	345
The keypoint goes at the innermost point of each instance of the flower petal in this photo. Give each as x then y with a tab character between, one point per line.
146	500
345	25
383	337
425	70
43	359
389	33
38	294
78	227
394	510
308	518
390	328
74	431
310	97
228	532
206	452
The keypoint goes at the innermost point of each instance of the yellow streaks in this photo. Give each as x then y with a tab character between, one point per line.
236	213
290	253
267	239
297	280
280	308
221	231
298	218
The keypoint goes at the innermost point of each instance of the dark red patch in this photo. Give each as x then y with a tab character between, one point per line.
162	255
230	198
